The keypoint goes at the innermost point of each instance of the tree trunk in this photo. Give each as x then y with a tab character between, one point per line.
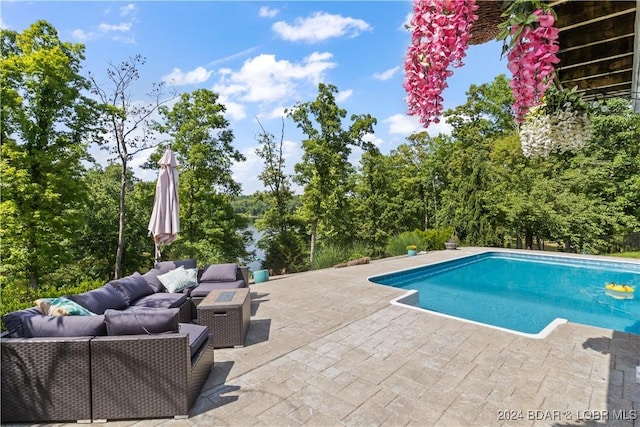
33	276
312	251
123	216
426	212
32	256
528	239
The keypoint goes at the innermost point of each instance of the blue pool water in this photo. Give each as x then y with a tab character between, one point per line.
524	293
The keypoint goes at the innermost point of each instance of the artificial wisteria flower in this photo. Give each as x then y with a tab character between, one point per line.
567	129
441	31
531	61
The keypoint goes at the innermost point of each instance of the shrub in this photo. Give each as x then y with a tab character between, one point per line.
397	245
434	239
329	255
430	240
284	253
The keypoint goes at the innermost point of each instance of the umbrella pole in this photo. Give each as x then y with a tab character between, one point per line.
157	252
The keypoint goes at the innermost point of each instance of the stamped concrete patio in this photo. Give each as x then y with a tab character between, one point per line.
327	348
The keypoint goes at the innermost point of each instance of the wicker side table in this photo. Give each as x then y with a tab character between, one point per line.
226	312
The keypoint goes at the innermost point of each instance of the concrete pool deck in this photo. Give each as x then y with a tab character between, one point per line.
327	348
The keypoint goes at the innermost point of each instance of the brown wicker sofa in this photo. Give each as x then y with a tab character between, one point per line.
102	378
73	368
210	277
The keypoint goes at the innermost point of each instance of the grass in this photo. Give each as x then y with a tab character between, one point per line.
626	254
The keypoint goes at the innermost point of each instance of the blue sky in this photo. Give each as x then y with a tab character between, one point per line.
261	57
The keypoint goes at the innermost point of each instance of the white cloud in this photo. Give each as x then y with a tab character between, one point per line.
122	27
265	79
436	129
118	32
267	12
247	171
3	26
344	95
402	124
82	36
372	138
125	10
291	152
275	113
234	110
233	56
387	74
178	78
320	26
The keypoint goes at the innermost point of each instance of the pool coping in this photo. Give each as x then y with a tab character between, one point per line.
409	299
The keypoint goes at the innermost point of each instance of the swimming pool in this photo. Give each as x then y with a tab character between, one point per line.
524	293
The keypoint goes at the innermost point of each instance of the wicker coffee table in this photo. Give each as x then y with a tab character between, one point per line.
226	313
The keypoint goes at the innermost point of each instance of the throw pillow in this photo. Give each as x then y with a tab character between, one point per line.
132	287
220	273
13	321
62	307
100	299
141	321
179	279
65	326
171	265
151	277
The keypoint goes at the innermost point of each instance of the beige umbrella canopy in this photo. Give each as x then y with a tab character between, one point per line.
165	218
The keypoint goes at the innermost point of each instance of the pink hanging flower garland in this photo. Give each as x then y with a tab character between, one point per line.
531	61
441	31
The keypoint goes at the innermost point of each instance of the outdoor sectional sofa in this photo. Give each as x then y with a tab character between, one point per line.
138	357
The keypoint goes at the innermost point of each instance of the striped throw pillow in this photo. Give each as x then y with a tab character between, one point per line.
179	279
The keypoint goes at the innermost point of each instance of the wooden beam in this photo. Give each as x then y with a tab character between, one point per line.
606	80
621	91
579	13
619	47
595	68
597	32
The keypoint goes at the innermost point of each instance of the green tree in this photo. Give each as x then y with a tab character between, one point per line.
603	181
99	237
422	162
203	142
373	201
128	128
470	202
325	171
282	240
44	119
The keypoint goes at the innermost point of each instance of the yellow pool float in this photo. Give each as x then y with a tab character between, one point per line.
619	291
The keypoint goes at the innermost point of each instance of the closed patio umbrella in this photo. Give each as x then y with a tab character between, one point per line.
165	218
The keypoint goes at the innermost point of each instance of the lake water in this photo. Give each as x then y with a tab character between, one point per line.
257	264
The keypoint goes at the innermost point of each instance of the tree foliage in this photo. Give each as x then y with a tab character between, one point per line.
203	143
325	171
98	239
283	240
61	224
127	126
45	117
